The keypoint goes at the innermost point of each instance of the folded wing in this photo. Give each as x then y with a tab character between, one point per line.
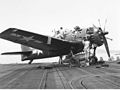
34	40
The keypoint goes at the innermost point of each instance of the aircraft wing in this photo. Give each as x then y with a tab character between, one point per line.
34	40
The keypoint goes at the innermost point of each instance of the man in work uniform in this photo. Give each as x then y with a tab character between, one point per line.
59	33
77	32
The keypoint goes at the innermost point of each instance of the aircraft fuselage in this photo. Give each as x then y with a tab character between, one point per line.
76	48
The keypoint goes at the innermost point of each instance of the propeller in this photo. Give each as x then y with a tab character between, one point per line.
106	45
104	40
103	33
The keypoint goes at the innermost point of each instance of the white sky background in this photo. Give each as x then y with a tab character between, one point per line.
42	16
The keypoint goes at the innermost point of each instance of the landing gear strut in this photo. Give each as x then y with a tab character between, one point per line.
71	58
60	60
93	59
30	61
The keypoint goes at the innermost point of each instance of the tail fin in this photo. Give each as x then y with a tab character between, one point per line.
25	49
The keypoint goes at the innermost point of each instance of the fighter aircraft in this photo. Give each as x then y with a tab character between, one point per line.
51	46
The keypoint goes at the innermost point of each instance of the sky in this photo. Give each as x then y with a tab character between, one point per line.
43	16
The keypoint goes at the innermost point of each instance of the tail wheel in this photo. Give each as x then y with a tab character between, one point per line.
93	60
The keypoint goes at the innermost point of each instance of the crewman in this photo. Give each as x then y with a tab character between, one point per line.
77	33
90	30
87	52
77	28
59	33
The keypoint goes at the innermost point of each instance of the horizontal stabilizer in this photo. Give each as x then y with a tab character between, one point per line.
17	53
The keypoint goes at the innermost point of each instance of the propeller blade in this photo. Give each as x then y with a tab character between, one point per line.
106	45
105	25
95	26
99	22
109	38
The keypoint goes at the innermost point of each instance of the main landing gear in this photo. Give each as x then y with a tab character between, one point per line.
60	60
93	59
30	61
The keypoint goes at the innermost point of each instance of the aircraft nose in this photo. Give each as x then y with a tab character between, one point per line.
96	39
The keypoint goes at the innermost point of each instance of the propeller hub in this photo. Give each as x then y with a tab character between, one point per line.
96	39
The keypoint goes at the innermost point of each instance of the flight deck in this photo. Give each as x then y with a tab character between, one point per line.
53	76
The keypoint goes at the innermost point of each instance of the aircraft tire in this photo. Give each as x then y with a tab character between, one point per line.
93	60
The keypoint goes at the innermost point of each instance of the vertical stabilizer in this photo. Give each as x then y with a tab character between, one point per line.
24	49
